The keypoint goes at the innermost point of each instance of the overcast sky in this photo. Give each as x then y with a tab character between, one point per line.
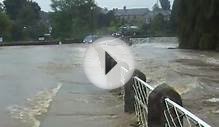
45	4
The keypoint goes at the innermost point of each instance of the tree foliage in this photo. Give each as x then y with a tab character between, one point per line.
197	22
5	25
157	25
25	16
1	7
72	18
29	14
13	7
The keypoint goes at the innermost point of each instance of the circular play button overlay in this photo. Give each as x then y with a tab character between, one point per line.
109	63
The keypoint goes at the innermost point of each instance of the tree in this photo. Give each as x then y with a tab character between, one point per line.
165	4
25	16
76	15
28	18
197	23
1	7
29	14
106	19
13	7
5	25
157	25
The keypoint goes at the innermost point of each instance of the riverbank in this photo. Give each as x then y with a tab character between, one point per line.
32	43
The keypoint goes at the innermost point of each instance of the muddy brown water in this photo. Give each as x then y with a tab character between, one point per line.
46	85
194	74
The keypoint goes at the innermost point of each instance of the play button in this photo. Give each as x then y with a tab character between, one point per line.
108	63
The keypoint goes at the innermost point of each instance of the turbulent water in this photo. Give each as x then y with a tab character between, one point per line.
29	77
35	107
194	74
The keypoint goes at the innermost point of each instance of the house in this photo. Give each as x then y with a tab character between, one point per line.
132	16
152	14
137	16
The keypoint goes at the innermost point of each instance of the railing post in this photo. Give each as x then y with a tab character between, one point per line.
156	104
129	100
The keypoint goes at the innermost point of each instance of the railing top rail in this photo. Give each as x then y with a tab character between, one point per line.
186	112
144	83
169	102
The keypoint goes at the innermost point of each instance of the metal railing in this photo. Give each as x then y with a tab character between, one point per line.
124	71
175	115
142	91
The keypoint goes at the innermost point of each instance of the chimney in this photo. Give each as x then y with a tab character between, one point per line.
124	8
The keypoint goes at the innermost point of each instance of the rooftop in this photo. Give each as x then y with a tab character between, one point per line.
134	11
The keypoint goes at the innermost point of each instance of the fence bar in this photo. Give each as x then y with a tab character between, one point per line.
156	107
144	83
186	112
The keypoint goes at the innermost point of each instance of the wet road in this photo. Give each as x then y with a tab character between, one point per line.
33	77
45	86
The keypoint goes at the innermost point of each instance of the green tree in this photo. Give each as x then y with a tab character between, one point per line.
29	17
73	18
5	23
106	19
157	25
13	7
1	7
25	16
197	23
29	14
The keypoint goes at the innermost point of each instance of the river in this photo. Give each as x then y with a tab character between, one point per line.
46	86
194	74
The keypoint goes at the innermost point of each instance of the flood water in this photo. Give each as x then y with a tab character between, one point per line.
45	85
194	74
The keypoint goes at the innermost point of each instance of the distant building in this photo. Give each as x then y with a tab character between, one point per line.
138	16
132	16
166	14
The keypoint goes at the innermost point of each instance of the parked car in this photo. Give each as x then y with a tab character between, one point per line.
90	39
41	38
116	34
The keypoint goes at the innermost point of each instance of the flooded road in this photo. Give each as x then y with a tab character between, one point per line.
45	85
194	74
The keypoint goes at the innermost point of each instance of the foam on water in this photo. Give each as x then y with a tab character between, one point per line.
34	108
156	42
213	100
212	60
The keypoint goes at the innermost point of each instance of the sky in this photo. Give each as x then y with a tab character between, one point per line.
45	4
